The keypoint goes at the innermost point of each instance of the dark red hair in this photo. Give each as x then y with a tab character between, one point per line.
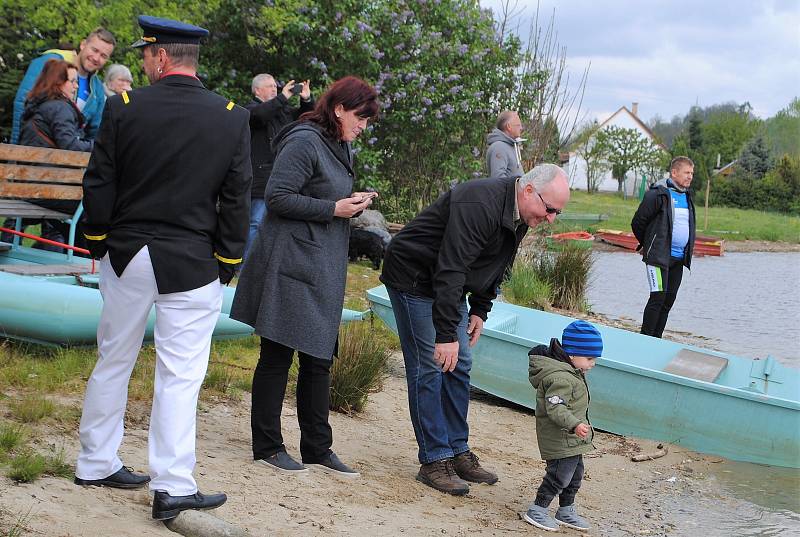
353	94
53	75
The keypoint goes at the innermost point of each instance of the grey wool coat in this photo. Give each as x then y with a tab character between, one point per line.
291	288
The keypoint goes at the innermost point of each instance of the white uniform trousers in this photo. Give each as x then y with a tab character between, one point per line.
183	327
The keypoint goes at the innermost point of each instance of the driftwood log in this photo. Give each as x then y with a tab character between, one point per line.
660	451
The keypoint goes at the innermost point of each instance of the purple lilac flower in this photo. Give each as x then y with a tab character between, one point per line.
455	90
448	109
346	33
404	57
478	94
305	27
438	115
426	101
462	49
476	152
453	78
400	46
363	26
338	16
377	54
372	141
435	35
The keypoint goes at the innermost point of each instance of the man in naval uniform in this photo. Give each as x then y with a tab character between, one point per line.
167	200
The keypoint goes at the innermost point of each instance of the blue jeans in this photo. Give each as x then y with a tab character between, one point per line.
438	401
258	208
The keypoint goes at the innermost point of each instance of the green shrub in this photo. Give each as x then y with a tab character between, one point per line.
569	278
359	369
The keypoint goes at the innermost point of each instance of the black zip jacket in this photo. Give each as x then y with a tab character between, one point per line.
267	118
462	243
652	225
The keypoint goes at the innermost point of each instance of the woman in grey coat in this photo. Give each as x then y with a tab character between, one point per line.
291	288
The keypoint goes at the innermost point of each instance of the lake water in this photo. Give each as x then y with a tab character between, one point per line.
747	304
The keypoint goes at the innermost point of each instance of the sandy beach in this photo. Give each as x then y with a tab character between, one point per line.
619	497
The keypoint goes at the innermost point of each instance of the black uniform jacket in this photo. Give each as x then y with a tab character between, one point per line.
460	244
267	118
652	226
171	170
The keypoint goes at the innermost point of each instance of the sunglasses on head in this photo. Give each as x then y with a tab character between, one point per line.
548	209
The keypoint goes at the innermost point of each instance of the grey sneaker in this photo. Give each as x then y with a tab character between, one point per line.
568	517
333	465
539	517
282	462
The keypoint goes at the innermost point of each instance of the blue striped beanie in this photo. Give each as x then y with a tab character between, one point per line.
582	339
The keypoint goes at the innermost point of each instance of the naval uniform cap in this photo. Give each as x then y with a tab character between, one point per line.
158	31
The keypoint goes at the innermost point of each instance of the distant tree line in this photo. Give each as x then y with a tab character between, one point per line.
764	155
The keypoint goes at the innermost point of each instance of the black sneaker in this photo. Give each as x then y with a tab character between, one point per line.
282	462
333	465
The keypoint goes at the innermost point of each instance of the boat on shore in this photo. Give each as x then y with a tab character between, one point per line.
576	239
702	245
51	299
740	408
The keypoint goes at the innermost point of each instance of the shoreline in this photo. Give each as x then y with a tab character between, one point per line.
618	497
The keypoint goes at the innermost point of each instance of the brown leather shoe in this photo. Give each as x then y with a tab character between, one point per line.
441	475
469	469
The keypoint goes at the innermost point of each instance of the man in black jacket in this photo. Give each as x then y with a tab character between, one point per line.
459	246
166	197
270	111
664	224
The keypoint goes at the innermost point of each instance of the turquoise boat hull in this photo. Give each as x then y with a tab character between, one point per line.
749	413
65	309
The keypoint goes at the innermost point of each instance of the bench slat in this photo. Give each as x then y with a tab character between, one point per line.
47	174
23	209
59	157
40	191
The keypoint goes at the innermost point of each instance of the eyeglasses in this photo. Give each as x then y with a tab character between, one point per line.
73	81
548	209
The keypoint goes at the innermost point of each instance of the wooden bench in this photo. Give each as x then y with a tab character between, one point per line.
43	174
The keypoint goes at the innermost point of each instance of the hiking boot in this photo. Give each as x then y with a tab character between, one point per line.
539	517
442	476
469	469
567	516
333	465
282	462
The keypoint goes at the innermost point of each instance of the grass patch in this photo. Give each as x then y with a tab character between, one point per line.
723	222
361	278
32	409
57	465
359	369
12	436
525	288
26	466
18	525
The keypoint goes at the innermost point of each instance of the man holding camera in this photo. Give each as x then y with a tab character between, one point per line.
269	112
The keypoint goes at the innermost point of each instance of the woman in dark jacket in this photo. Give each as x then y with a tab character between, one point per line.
51	118
291	288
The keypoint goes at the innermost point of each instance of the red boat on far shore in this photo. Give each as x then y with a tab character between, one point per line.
702	245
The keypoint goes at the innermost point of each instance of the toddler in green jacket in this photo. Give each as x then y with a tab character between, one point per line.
563	430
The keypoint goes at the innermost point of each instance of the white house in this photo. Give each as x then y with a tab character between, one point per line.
576	166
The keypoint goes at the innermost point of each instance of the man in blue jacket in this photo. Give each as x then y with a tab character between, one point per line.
95	51
664	225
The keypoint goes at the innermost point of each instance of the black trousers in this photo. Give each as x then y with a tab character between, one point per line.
657	309
269	389
563	479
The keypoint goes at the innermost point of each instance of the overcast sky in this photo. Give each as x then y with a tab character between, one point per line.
670	55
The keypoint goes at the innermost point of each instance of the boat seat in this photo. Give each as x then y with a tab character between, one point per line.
502	322
23	209
697	365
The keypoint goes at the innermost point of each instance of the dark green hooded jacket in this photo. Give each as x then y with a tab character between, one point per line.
562	402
